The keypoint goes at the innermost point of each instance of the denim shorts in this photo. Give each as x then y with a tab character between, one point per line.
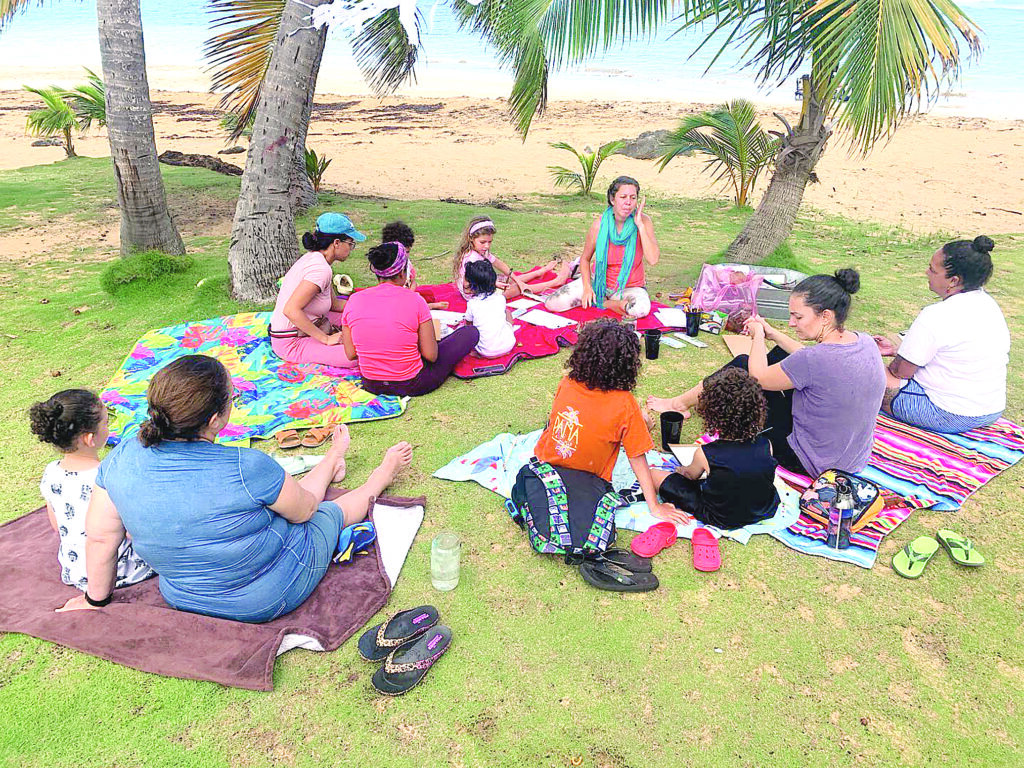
911	405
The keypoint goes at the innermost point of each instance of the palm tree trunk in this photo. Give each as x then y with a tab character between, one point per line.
799	153
145	220
69	146
302	192
263	242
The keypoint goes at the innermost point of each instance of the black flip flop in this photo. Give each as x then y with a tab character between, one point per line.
377	642
405	667
614	578
625	559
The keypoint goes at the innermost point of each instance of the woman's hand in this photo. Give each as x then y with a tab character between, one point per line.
756	327
333	339
668	512
885	346
76	603
588	297
638	213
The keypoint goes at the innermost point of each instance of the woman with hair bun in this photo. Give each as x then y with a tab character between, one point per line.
836	383
949	373
230	533
306	314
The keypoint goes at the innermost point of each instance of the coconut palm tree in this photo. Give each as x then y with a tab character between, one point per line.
145	220
589	161
731	137
267	57
868	64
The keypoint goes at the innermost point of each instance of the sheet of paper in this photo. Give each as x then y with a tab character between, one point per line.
738	345
447	317
671	316
546	319
683	453
690	340
522	303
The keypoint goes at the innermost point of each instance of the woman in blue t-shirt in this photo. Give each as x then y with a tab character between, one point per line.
230	533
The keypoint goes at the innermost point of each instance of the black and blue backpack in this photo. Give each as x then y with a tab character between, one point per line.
566	512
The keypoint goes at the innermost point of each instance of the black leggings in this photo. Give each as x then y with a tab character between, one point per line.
450	350
779	422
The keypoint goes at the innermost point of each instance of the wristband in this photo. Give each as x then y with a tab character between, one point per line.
98	603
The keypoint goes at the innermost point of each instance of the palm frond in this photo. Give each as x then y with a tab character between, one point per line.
240	54
536	37
888	57
88	101
384	53
56	117
565	178
11	8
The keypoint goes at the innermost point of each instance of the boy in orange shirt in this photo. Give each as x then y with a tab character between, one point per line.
595	413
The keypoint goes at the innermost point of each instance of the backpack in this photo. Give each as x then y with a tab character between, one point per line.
566	512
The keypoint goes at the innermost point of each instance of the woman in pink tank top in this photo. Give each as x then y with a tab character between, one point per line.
622	238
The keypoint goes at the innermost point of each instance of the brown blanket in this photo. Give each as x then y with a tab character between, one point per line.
138	629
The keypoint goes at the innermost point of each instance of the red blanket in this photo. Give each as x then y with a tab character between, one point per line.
531	340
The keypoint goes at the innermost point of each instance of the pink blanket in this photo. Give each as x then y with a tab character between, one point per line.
531	341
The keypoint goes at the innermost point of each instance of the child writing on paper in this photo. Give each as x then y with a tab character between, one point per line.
739	488
75	422
487	311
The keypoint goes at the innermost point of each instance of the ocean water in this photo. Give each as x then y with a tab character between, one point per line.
51	44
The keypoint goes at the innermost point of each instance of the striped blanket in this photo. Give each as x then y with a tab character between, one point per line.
915	469
270	394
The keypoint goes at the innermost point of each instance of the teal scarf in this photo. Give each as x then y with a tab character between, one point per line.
607	236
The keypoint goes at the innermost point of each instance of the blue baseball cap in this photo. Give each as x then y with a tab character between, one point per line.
338	224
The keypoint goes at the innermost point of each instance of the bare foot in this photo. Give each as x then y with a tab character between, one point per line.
564	270
396	458
615	305
662	404
340	441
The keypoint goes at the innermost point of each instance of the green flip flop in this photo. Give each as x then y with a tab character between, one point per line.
910	561
960	548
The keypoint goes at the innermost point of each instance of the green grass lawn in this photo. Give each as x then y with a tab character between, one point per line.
778	659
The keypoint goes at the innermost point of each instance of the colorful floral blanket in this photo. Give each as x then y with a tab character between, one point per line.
270	394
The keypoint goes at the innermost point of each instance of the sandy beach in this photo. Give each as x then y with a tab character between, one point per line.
959	175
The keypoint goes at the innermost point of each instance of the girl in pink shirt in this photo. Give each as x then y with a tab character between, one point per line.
303	324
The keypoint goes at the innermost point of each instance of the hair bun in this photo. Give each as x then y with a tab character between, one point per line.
983	244
848	279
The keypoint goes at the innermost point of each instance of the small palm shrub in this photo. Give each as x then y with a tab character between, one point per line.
590	161
316	166
66	110
738	149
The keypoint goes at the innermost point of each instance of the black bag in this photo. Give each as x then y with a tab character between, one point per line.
565	512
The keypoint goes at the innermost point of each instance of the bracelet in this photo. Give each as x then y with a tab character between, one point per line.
98	603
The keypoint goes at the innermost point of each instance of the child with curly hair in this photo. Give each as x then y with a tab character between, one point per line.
730	482
400	232
595	412
75	422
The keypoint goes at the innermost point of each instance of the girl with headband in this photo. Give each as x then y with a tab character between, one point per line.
389	330
303	327
476	246
612	264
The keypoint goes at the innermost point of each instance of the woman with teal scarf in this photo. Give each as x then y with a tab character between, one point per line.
618	244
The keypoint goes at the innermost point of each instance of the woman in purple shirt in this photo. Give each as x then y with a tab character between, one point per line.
823	398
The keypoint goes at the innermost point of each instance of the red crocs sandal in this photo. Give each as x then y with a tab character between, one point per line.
656	538
706	554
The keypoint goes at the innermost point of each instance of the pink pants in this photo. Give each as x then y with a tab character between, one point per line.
306	349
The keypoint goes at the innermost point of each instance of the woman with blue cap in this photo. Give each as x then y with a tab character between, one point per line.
304	327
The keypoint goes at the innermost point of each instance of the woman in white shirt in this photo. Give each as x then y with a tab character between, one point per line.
949	373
